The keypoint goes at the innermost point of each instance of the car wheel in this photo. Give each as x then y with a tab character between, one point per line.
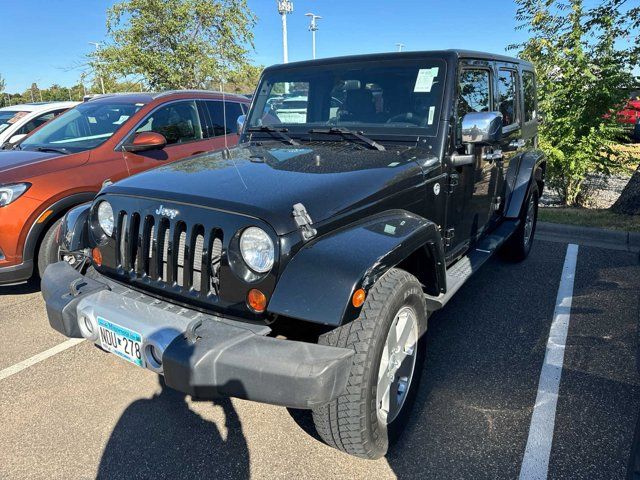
388	338
519	245
48	251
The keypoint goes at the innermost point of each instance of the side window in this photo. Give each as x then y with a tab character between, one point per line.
178	122
507	98
529	84
217	115
475	92
35	123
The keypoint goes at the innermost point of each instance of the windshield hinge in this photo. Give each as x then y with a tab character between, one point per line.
304	222
447	236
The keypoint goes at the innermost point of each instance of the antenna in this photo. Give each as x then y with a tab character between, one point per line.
224	121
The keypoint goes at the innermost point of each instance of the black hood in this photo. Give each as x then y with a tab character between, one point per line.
266	182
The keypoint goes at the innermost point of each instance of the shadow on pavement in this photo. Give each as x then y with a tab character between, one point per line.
162	437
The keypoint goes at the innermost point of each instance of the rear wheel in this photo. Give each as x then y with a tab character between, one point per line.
388	338
519	245
48	251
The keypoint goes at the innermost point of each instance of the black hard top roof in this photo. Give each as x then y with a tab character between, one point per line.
445	54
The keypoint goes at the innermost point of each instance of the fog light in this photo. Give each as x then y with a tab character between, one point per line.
96	255
88	328
154	357
256	300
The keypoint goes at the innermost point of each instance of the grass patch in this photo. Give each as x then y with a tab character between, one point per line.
590	217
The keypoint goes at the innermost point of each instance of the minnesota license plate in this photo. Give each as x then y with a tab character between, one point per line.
121	341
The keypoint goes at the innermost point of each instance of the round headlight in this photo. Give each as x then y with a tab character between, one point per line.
257	249
105	217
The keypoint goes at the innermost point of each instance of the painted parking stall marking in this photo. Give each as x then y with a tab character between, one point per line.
18	367
535	464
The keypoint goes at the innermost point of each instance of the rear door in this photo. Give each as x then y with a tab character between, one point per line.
222	122
509	102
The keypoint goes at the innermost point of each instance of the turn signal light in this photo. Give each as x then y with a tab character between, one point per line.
358	298
96	255
256	300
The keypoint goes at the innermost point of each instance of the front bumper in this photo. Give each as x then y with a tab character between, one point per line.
203	355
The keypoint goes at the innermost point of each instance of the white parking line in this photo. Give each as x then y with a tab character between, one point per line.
535	464
18	367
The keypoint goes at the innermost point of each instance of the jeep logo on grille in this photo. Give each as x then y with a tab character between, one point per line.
167	212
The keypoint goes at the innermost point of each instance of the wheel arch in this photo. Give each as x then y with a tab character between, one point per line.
40	227
318	283
530	167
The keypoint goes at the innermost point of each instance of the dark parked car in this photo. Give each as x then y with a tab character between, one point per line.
300	268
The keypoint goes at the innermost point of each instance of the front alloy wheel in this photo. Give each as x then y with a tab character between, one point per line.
388	339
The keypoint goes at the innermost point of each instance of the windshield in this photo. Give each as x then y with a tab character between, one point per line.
9	117
389	97
81	128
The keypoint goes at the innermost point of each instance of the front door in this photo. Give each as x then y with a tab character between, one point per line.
473	186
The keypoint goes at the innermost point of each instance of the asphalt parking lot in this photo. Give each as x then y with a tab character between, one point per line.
82	413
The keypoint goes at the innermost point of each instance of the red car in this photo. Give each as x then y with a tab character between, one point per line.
630	114
65	162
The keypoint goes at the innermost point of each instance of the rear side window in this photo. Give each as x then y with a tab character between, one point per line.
35	123
178	122
216	111
529	84
507	101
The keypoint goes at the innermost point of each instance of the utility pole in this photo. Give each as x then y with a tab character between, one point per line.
285	7
313	28
400	46
97	45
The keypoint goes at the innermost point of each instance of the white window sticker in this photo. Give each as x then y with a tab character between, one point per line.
432	113
425	79
92	119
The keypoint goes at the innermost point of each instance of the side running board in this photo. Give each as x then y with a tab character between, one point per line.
460	271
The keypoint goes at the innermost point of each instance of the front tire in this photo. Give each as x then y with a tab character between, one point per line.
388	338
48	251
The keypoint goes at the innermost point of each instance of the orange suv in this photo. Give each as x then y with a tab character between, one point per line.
66	162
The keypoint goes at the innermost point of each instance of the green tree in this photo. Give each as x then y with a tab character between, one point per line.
176	43
583	75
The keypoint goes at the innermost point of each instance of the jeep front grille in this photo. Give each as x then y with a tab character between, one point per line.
171	252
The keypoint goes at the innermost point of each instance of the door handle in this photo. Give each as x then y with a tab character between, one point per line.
519	143
493	156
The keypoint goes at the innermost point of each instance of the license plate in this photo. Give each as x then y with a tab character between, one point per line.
121	341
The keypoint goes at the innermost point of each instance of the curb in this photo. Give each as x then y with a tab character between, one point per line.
597	237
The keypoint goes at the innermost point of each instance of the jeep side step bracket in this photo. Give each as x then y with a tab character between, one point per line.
460	271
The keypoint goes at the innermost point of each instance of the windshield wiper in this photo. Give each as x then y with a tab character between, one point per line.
346	133
51	149
276	132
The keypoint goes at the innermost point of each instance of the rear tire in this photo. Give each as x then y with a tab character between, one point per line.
366	419
517	248
48	251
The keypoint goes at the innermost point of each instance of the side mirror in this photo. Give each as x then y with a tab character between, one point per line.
145	141
240	123
482	128
16	138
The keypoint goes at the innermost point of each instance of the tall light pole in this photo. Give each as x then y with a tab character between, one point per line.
400	46
313	28
97	45
285	7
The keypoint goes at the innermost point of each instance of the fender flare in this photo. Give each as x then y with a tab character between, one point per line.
318	283
531	166
59	207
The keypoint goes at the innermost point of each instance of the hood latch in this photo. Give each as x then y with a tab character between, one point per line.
304	222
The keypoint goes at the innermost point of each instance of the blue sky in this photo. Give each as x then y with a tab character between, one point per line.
44	40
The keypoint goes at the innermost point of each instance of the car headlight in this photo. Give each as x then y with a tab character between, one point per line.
105	217
9	193
257	249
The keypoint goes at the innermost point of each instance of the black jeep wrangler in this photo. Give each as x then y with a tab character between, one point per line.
300	267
